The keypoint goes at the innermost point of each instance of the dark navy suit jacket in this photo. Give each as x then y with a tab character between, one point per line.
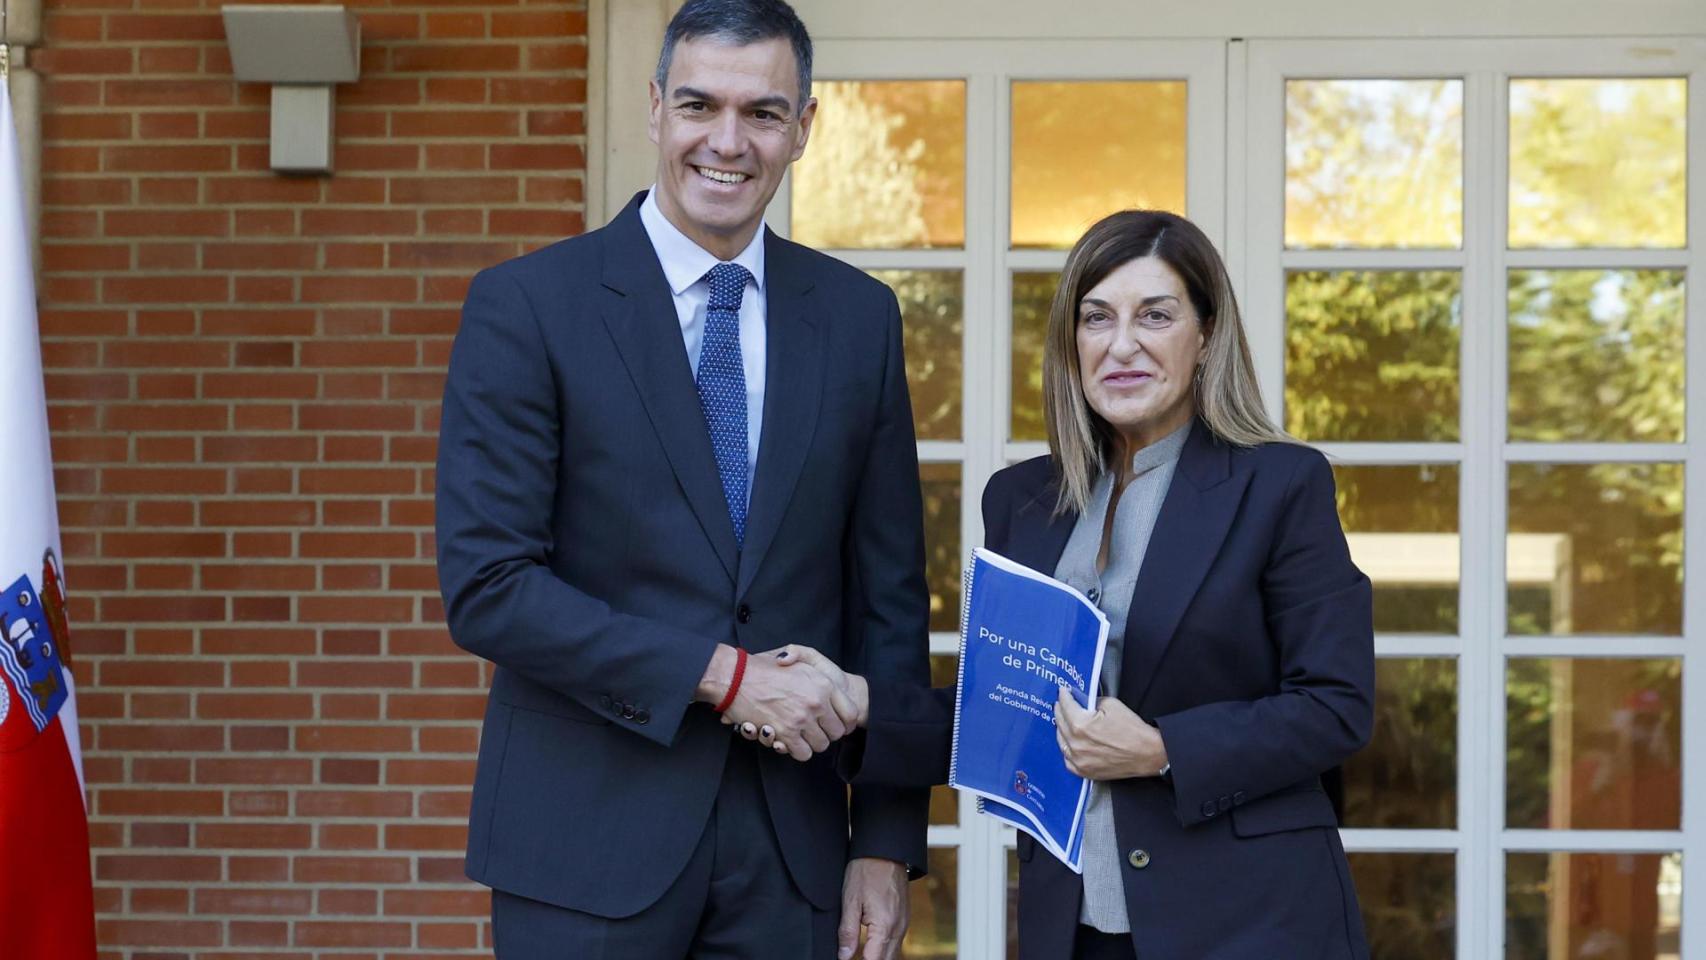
585	548
1250	645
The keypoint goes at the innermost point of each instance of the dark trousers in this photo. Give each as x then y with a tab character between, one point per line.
1093	944
734	901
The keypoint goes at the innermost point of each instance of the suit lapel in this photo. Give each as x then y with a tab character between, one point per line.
643	323
1039	536
793	387
1195	517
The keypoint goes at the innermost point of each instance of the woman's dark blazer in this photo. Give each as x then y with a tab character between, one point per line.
1250	645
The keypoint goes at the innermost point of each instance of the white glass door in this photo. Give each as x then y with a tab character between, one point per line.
1464	265
1467	264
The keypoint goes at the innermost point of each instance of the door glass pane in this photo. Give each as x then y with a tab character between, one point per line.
1594	548
1032	294
944	800
1407	775
1401	523
1083	150
1409	905
932	313
1596	355
932	934
1012	904
1598	163
1372	355
1374	163
885	166
1593	744
1623	905
941	482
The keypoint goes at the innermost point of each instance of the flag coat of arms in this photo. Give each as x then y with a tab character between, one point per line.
46	902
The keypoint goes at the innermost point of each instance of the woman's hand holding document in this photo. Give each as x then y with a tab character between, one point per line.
1107	743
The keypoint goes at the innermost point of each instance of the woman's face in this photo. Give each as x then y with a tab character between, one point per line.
1139	343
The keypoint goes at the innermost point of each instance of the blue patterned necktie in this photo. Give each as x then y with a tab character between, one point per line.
722	386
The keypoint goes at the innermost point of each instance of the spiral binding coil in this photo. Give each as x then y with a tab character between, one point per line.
960	670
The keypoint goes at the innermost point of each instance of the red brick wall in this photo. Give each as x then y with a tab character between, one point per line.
244	372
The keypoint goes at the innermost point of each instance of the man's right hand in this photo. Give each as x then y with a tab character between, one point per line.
803	711
851	684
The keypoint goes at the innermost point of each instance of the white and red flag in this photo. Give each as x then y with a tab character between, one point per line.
46	901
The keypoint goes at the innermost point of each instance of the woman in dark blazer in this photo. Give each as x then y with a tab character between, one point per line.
1245	666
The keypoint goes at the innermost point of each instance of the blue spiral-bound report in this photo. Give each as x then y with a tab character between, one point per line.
1022	636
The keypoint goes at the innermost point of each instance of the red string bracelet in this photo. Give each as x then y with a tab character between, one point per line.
734	684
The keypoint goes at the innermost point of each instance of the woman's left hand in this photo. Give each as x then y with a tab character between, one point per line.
1109	743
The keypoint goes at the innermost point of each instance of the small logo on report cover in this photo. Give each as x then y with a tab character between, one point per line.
32	627
1023	786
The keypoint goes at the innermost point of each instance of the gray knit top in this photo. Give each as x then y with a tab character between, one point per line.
1111	589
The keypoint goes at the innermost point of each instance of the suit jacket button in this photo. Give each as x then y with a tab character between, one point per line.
604	700
1225	804
1209	809
1138	859
1238	798
642	716
743	613
627	711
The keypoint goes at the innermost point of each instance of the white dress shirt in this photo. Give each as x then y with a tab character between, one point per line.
685	264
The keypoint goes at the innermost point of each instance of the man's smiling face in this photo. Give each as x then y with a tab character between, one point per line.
726	125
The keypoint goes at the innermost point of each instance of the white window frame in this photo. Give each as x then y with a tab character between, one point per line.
1481	841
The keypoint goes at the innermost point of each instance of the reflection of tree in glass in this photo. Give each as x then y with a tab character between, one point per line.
1407	776
1624	734
1408	905
1374	163
1597	904
1528	742
1085	149
1527	889
941	483
855	187
932	311
885	167
1372	355
944	800
931	112
933	933
1398	500
1596	355
1622	528
1598	163
1032	293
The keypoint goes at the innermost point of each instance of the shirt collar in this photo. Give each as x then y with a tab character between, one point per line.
1163	451
685	262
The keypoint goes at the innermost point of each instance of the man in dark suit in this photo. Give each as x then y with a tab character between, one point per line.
665	443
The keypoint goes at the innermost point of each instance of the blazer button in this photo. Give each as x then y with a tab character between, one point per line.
1209	809
743	613
642	716
1225	804
604	700
627	711
1138	859
1238	798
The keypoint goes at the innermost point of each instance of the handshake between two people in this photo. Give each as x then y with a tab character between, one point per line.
797	701
793	699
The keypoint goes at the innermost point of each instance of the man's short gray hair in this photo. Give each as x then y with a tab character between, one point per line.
739	22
